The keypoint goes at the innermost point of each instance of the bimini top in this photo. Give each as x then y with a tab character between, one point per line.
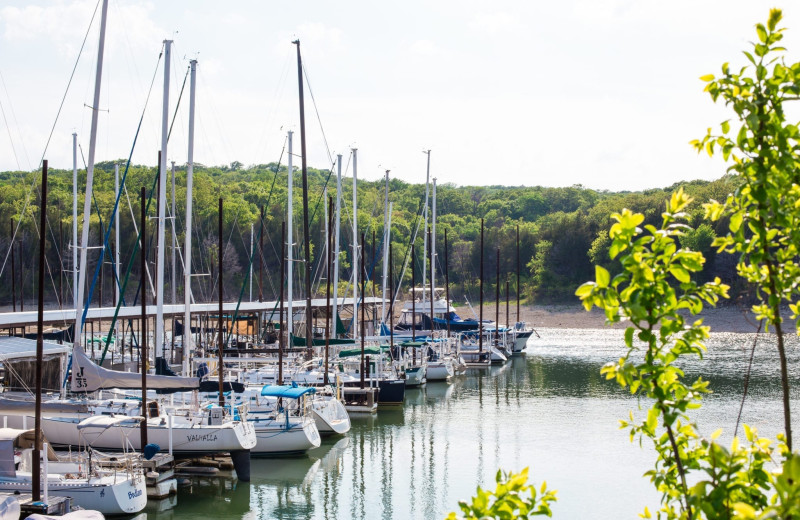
292	392
368	351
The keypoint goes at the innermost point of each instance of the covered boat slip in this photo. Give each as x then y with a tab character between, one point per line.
18	357
65	317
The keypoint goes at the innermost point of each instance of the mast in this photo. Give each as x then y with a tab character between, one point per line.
87	200
425	225
187	257
13	268
430	239
363	364
497	302
329	215
391	301
143	329
446	283
517	273
261	257
75	298
508	321
336	233
117	295
433	247
387	260
37	441
162	208
174	244
480	320
306	235
413	295
280	303
289	245
355	243
251	262
220	341
385	247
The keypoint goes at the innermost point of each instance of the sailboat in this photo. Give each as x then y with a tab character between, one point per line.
109	491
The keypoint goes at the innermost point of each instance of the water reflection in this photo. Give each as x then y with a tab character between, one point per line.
550	410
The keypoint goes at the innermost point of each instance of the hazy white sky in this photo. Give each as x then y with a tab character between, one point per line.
603	93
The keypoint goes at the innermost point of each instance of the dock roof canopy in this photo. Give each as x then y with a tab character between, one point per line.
19	348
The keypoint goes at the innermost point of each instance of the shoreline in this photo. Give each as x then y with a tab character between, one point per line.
574	316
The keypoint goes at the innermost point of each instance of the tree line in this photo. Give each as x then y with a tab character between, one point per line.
562	231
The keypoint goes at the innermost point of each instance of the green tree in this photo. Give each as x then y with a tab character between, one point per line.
697	477
764	221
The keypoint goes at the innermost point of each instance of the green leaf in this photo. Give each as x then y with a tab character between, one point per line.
762	33
681	274
602	276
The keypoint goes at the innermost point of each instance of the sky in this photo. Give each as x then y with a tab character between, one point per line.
601	93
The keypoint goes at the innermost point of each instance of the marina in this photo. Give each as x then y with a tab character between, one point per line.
549	409
277	341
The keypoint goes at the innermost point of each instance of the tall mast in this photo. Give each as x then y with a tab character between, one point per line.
290	245
387	261
117	296
480	323
143	355
433	244
336	234
284	240
446	283
328	232
329	224
385	247
425	224
80	309
251	262
187	257
75	298
497	302
162	208
174	273
355	242
37	442
306	235
413	296
220	339
517	273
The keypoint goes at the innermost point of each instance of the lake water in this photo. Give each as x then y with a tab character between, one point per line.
549	410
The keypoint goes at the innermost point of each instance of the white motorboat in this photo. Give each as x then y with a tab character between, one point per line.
520	333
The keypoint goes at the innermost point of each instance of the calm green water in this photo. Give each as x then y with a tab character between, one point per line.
549	410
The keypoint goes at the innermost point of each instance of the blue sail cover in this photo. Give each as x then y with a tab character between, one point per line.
292	392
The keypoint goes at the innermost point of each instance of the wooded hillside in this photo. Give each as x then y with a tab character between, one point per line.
562	230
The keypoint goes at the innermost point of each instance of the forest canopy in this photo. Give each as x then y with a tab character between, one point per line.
562	231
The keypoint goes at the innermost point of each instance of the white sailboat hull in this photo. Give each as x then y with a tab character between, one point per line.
330	416
281	437
186	439
106	494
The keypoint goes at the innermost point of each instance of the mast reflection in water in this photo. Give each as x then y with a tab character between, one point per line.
551	410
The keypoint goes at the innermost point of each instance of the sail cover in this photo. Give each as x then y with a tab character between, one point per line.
88	377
